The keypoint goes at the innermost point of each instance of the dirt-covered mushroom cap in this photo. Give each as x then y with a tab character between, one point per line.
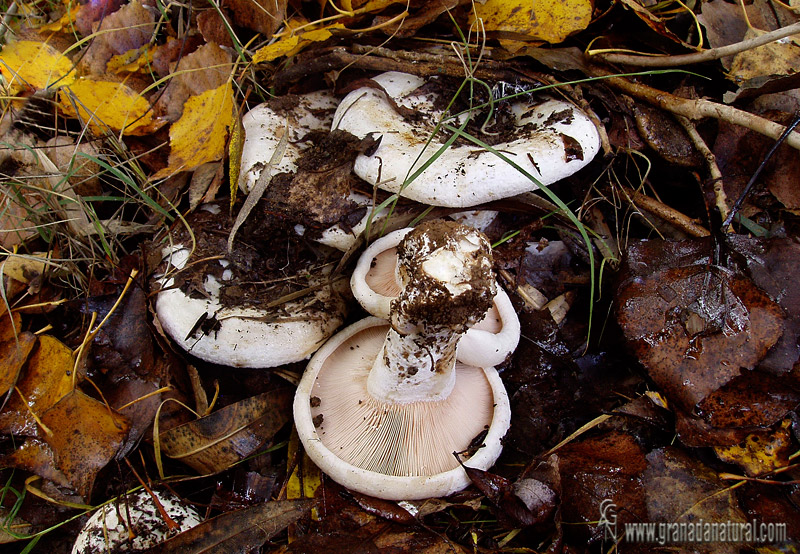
206	309
133	524
550	140
265	125
375	284
383	405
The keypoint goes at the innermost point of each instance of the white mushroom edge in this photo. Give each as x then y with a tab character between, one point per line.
461	176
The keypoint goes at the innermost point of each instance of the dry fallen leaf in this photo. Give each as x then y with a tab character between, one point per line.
215	442
28	64
15	347
541	20
201	134
104	105
292	44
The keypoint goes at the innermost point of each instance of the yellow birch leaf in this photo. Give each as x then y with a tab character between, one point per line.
108	105
548	20
276	49
30	63
132	60
200	135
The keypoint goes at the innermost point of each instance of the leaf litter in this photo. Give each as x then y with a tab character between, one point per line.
682	409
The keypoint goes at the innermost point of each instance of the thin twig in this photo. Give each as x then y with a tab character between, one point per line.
671	215
643	60
699	108
714	173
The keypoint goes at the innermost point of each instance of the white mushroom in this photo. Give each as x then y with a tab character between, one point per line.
552	140
265	125
384	405
375	284
133	523
246	335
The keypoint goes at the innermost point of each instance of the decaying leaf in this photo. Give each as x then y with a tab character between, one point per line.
681	489
29	64
242	530
262	16
36	456
128	28
761	453
47	379
104	105
201	134
15	347
540	20
215	442
86	435
695	326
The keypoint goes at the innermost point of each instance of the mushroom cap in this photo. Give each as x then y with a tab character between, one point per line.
264	127
375	285
247	336
396	451
104	531
554	140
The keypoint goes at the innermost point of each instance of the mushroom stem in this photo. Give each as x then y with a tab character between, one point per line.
445	269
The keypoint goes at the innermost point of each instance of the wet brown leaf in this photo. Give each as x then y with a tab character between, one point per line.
680	488
695	326
86	435
538	504
236	531
36	456
607	467
215	442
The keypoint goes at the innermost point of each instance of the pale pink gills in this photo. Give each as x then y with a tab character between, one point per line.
382	406
552	140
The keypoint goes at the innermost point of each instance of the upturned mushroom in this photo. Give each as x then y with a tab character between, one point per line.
384	405
242	309
376	283
549	139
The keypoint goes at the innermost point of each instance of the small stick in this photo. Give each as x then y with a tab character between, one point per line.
698	57
699	108
711	160
673	216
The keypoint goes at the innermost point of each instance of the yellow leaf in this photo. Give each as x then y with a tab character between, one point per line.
276	49
235	155
200	135
30	63
760	453
108	105
65	20
548	20
132	60
291	45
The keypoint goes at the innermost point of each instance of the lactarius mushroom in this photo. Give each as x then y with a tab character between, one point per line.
550	140
376	283
383	406
243	308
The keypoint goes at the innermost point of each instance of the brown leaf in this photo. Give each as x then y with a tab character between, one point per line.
47	378
86	435
608	467
538	504
128	28
680	488
242	530
215	442
262	16
694	327
36	456
206	68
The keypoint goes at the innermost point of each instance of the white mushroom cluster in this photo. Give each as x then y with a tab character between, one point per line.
386	405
